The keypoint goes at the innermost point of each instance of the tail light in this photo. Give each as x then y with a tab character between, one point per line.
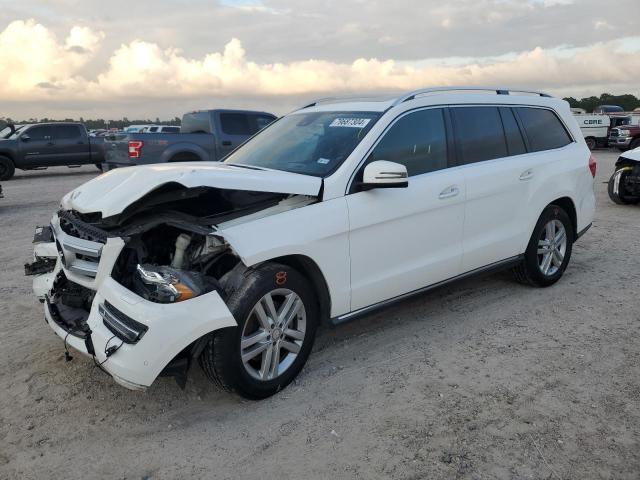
135	146
592	166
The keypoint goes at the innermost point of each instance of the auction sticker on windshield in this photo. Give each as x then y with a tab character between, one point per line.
350	122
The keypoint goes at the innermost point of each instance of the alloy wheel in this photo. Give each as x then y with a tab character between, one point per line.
273	334
552	247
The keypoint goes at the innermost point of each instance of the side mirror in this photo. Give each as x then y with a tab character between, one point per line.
24	137
384	174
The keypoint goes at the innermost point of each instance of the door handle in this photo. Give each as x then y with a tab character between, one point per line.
449	192
526	175
226	143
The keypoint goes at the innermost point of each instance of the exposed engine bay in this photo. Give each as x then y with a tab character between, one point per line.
173	251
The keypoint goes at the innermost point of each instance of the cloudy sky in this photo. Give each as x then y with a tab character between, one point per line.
138	58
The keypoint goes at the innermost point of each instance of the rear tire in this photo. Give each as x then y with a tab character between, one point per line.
229	358
616	191
7	169
549	249
591	143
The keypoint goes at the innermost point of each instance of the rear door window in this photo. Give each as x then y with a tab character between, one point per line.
418	141
479	134
543	129
235	124
66	132
515	142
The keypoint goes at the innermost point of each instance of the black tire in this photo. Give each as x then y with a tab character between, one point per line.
7	169
99	167
591	143
221	358
529	271
617	195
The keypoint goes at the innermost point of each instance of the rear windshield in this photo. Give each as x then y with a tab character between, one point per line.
307	143
196	122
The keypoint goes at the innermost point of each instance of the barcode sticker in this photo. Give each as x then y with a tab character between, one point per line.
350	122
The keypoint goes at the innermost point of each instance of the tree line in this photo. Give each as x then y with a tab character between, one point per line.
93	124
628	102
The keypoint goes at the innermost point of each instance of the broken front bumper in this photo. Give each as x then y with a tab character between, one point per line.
132	338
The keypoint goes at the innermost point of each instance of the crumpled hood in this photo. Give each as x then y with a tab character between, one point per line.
632	154
114	191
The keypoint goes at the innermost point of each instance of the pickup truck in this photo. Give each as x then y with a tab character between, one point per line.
42	145
204	135
625	137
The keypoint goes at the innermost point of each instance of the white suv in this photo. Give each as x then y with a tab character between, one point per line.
333	211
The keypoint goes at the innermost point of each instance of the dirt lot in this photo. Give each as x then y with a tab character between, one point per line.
483	379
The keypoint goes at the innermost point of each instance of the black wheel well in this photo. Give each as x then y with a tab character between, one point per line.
567	205
307	267
185	157
8	156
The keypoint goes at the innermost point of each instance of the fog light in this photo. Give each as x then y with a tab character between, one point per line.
122	326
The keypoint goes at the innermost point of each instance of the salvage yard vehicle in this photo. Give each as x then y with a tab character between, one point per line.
42	145
336	210
595	129
624	184
204	135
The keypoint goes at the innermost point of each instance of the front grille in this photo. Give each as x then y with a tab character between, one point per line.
79	243
615	133
72	223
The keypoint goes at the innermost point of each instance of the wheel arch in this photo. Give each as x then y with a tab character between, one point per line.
184	149
566	203
310	269
9	155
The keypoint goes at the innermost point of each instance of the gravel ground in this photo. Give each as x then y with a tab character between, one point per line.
482	379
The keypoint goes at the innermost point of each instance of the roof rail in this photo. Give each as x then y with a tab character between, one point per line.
404	97
498	91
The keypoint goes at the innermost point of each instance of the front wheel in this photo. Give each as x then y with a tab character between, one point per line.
277	314
7	169
549	249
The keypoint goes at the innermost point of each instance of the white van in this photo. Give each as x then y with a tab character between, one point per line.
595	128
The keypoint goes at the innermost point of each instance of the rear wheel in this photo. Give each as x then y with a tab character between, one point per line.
549	249
616	188
277	317
591	143
7	170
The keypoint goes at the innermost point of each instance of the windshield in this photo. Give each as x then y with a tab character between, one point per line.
307	143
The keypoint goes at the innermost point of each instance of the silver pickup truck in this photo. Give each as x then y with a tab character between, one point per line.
204	135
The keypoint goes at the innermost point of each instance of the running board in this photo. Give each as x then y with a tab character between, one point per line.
494	267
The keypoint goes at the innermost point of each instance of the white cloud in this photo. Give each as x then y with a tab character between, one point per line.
38	66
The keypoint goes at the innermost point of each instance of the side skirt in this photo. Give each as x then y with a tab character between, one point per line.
494	267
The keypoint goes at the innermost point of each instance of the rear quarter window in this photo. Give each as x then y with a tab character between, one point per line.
543	128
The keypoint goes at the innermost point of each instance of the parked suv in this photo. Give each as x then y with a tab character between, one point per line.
336	210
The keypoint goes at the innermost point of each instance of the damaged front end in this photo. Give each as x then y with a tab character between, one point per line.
141	290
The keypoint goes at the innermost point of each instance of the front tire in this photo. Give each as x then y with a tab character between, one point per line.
7	169
549	249
277	314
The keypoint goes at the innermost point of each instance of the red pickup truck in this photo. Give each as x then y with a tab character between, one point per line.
625	137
